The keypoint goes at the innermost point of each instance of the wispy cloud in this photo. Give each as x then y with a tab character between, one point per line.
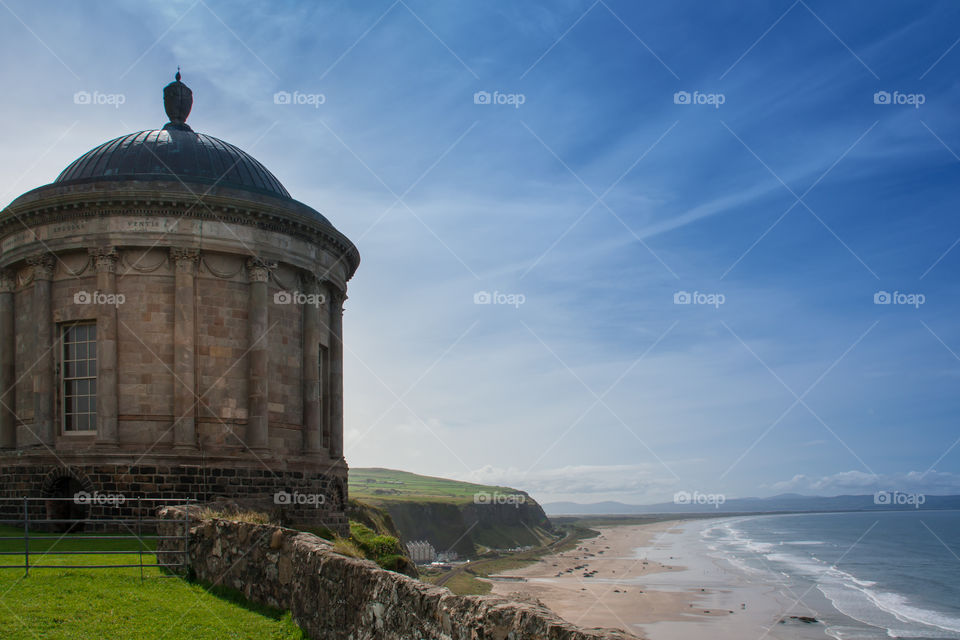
858	482
501	199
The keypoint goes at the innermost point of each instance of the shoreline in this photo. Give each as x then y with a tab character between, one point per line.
656	581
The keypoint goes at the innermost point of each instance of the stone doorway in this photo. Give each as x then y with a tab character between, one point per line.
62	504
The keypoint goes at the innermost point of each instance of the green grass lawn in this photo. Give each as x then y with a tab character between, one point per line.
81	604
378	485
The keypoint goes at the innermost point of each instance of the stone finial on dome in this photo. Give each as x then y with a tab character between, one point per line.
177	101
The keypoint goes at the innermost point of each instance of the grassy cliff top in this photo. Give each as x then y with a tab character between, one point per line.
382	485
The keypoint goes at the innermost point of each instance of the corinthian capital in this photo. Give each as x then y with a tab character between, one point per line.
43	266
335	294
104	258
185	259
310	283
8	281
258	269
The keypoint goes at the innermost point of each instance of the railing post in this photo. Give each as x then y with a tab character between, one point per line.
186	540
139	538
26	538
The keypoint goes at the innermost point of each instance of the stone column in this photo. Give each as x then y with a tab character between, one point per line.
43	349
105	263
335	299
184	348
8	426
257	436
312	409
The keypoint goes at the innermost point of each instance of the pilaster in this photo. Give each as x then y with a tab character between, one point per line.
43	348
335	299
184	348
105	264
312	408
258	355
8	427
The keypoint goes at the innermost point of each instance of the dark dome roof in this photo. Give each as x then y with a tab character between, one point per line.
174	152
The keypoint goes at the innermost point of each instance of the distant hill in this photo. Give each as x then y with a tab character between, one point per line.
698	503
375	483
452	515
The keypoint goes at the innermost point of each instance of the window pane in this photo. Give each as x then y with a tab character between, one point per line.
79	377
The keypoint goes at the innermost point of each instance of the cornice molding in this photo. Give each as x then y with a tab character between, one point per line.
62	209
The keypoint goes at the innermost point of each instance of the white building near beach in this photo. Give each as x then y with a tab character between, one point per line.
421	551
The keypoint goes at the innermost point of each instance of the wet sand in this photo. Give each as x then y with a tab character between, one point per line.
657	581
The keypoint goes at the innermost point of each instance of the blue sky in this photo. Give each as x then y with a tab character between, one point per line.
598	199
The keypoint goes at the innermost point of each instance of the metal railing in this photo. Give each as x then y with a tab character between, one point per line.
135	528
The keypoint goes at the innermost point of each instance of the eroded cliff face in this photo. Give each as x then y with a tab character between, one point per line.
333	597
438	522
462	527
507	525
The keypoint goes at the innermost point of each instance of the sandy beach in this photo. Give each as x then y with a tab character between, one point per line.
657	581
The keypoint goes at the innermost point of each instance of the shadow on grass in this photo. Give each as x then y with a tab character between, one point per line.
236	597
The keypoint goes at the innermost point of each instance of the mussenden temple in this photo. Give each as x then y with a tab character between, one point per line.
170	327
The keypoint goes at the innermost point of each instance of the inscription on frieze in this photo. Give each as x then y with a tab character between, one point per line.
16	239
67	227
151	224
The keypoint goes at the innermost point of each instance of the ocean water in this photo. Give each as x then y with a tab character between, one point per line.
867	575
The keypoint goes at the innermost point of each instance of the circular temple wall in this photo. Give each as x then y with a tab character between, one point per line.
209	322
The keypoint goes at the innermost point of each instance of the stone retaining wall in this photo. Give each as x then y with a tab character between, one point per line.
339	598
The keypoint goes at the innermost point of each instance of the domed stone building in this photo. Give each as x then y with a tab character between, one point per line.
170	327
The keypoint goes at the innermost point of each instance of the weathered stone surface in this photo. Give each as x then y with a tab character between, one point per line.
334	597
204	480
276	539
